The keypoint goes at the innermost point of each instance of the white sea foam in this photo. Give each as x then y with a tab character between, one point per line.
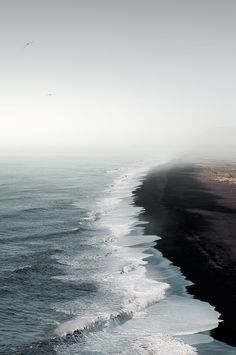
134	293
102	344
130	311
162	346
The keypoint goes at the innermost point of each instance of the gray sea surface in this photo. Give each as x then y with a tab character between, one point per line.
77	275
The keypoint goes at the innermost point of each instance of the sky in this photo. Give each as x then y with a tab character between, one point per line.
115	74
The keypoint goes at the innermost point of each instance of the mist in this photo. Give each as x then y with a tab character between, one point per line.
117	75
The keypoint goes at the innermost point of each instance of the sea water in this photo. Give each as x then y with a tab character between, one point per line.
78	275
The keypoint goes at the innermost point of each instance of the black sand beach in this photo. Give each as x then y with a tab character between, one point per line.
193	208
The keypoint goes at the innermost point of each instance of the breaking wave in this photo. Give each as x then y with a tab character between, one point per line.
116	261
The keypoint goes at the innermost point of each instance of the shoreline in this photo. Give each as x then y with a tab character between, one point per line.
192	207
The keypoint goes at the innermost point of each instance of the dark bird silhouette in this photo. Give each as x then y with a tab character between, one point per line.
27	44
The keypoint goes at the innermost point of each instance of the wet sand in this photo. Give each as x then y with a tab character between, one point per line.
193	208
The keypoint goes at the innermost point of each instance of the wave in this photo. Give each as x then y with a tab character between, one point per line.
132	307
39	266
106	343
102	272
168	327
162	346
23	269
125	313
131	290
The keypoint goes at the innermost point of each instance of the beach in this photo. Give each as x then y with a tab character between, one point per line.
192	207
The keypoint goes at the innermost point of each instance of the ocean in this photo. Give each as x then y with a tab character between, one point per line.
78	275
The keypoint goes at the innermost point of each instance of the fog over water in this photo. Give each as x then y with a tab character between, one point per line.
116	74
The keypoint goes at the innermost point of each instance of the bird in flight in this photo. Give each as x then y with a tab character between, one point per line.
27	44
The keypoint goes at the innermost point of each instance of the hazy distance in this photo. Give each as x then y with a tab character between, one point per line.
106	74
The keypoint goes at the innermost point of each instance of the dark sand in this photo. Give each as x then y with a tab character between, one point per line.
193	209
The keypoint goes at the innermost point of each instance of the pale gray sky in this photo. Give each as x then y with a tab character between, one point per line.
122	72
